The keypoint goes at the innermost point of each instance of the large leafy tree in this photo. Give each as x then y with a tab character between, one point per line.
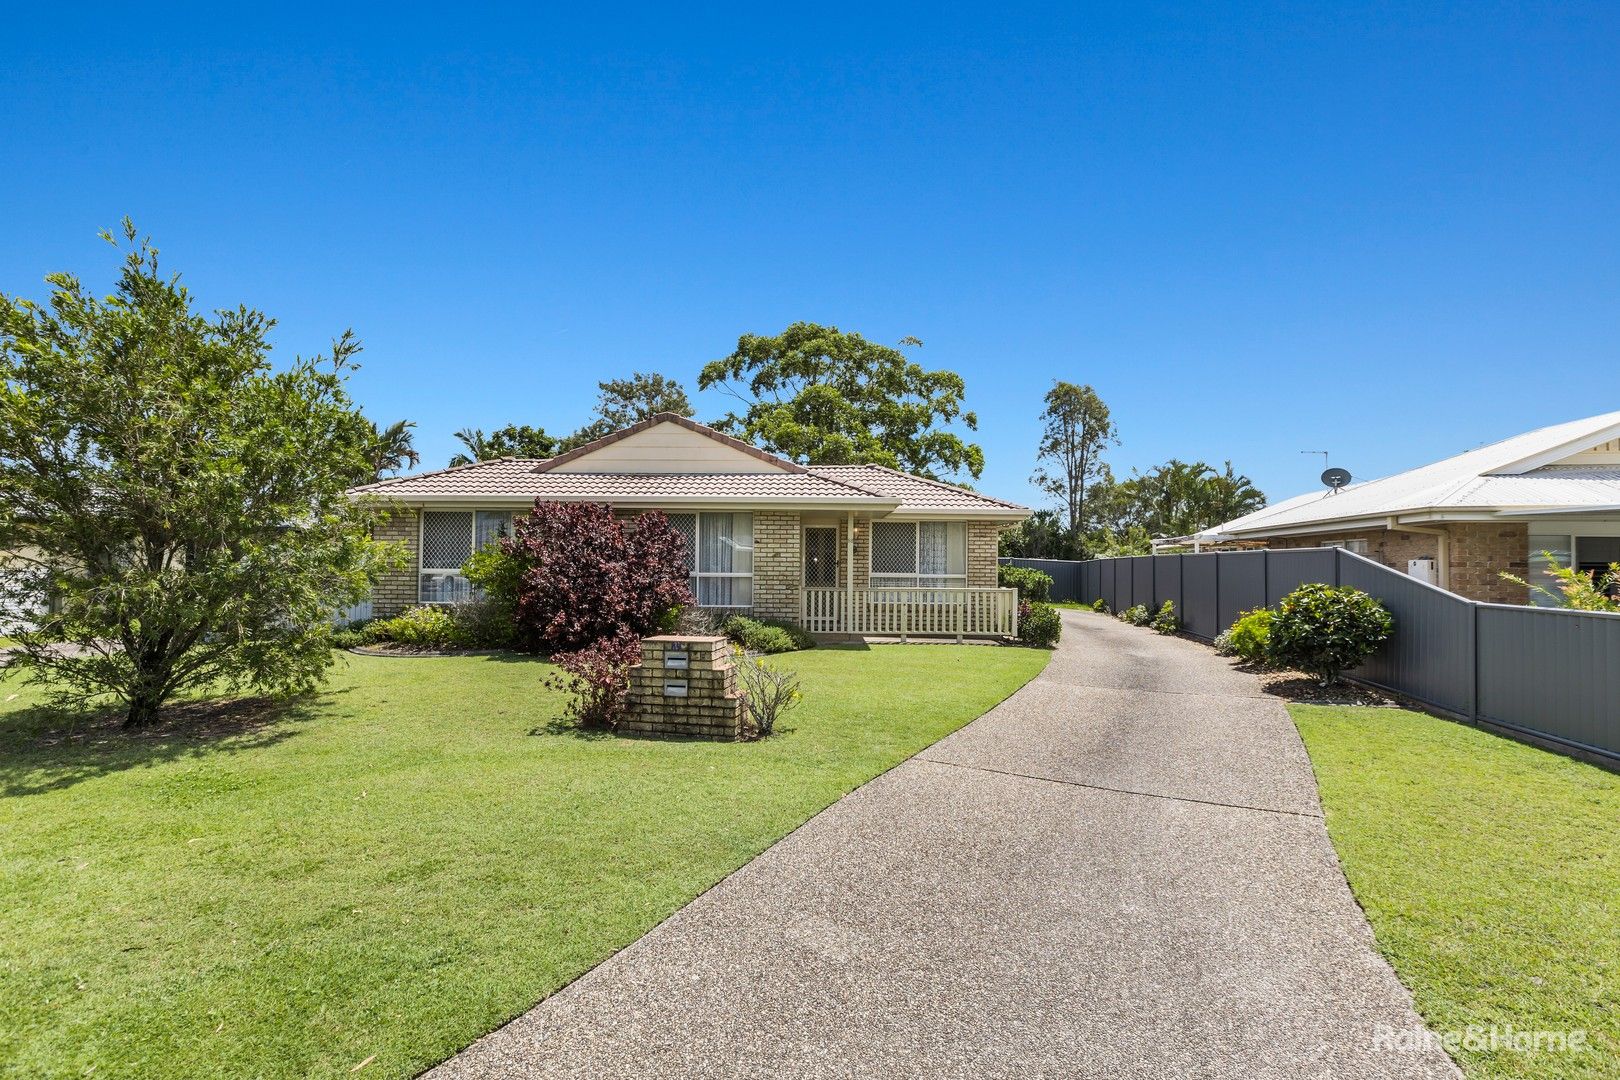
513	440
622	402
176	508
1075	430
821	396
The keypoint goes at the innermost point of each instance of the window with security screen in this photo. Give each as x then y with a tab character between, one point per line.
447	539
927	554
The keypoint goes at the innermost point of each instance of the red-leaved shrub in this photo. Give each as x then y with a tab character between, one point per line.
597	680
589	577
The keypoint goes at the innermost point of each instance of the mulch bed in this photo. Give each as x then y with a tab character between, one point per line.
418	650
197	721
1304	690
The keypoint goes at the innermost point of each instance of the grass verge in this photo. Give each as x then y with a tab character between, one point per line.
1490	871
388	870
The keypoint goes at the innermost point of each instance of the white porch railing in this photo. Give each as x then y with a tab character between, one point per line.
890	612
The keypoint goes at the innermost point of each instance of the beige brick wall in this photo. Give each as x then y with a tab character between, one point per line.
1479	553
777	571
396	591
983	543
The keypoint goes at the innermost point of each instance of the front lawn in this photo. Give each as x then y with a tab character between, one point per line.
404	862
1490	871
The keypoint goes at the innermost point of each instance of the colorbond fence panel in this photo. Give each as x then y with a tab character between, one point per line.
1242	584
1553	673
1166	581
1200	583
1288	570
1431	654
1142	580
1550	674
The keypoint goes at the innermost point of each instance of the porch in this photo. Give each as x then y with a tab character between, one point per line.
936	611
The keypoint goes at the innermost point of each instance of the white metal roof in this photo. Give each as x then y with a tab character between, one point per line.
1521	475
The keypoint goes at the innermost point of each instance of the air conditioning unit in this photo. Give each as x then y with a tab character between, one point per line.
1424	569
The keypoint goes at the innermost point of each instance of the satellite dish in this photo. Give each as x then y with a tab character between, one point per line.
1336	478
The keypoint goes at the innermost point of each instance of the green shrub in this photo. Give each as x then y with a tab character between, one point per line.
347	639
419	627
1165	621
484	623
1100	606
1324	630
1136	615
767	692
1039	624
1249	637
1032	585
766	635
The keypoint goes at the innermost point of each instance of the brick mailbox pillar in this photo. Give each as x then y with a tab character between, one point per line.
684	685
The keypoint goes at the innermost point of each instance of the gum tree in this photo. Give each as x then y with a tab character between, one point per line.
174	507
822	396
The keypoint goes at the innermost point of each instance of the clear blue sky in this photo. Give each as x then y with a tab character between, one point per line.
1387	232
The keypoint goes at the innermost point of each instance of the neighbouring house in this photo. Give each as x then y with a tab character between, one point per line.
1461	522
840	549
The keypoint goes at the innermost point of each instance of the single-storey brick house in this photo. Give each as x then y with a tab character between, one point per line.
1461	522
841	549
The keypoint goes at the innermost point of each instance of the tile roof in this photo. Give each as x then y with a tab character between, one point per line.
917	494
520	478
1514	474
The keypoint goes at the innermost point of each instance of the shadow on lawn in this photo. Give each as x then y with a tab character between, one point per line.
48	749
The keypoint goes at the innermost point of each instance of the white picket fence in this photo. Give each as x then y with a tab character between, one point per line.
896	612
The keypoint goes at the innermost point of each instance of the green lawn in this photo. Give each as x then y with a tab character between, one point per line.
399	865
1490	871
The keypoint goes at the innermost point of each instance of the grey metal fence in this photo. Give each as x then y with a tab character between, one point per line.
1545	673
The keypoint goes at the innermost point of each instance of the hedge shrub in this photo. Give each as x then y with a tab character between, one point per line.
1032	585
1325	630
766	635
1039	624
1248	638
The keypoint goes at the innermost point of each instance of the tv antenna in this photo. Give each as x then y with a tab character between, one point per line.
1332	478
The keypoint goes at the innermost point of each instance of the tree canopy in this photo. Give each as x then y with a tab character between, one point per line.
622	402
513	440
1075	430
393	449
1177	498
818	395
174	508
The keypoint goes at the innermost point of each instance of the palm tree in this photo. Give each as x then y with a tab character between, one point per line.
477	444
393	449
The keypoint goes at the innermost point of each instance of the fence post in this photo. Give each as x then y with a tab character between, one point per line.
1473	664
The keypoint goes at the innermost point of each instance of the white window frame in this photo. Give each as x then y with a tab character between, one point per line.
1356	547
914	580
695	575
472	546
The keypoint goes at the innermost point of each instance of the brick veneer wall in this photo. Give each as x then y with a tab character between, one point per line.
777	570
983	550
396	590
1479	552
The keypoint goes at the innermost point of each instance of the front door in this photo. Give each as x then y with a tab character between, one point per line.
820	558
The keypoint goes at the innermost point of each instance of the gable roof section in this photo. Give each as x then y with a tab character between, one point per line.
1520	473
575	458
919	495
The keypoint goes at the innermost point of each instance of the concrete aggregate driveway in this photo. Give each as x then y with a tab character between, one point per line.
1120	871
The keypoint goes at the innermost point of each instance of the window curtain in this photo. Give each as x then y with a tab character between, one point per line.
490	526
